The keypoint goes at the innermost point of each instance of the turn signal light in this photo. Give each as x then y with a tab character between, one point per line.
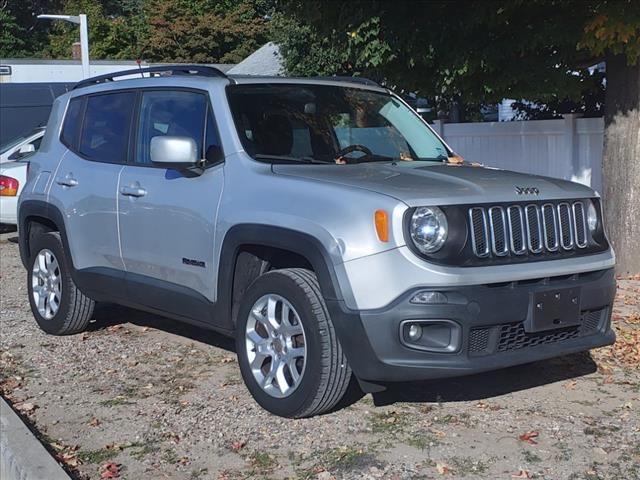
8	186
382	225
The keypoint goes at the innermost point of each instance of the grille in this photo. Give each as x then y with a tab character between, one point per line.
512	336
515	230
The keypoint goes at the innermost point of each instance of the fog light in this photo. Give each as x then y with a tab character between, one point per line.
429	298
415	332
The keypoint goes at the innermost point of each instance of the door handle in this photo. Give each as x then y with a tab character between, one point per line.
133	191
67	181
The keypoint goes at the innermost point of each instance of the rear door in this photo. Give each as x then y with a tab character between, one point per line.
96	132
167	217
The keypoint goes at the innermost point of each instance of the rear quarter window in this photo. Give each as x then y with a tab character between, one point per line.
72	123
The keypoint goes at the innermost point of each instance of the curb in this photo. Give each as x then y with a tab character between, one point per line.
22	456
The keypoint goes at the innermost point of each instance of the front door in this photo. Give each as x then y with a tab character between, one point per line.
167	218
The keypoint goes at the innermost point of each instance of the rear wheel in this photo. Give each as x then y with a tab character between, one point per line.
58	306
288	351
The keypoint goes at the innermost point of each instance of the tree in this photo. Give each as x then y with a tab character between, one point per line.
204	31
484	51
21	33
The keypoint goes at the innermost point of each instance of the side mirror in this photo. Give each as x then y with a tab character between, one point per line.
23	151
28	148
174	152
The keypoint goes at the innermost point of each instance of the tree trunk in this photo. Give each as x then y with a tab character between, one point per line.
621	162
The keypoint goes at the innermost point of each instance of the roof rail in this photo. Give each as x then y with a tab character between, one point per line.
345	78
199	70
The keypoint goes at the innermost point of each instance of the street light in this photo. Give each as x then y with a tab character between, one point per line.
84	36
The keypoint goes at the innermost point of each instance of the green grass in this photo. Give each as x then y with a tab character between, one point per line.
339	459
96	456
463	466
387	422
423	441
531	457
262	461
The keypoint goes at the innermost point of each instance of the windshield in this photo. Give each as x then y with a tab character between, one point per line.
329	124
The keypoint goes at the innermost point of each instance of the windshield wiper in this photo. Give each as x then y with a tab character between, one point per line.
372	158
287	158
439	158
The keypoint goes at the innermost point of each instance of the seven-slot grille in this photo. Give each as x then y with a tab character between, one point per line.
499	231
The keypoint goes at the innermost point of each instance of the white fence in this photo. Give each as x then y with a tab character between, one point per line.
568	148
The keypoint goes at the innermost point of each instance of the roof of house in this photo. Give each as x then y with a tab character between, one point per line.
266	61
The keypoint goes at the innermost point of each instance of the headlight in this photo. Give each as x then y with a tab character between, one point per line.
428	229
592	217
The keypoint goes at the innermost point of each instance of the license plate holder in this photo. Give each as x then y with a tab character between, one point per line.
553	309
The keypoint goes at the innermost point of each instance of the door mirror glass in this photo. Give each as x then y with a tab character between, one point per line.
179	152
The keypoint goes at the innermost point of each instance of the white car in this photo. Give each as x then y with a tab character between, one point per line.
22	146
13	172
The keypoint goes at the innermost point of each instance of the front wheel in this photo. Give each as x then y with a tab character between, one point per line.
289	355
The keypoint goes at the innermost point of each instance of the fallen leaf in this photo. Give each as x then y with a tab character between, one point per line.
94	422
443	468
237	445
570	385
114	328
529	437
110	470
26	407
70	459
228	359
521	474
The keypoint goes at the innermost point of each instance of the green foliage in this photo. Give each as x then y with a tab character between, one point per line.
614	27
11	42
477	51
203	31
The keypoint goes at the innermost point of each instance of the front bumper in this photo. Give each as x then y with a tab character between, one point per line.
491	320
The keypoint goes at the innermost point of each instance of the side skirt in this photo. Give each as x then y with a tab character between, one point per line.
154	296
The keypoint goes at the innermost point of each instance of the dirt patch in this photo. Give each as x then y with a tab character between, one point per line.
143	397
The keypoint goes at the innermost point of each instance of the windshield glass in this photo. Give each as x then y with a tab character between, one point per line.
329	124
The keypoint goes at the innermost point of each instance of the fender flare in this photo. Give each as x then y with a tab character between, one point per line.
294	241
38	208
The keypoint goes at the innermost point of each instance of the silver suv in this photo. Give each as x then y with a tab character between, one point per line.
321	222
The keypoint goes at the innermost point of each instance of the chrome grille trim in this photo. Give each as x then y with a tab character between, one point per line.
482	232
579	224
532	213
550	228
498	227
498	231
516	230
565	224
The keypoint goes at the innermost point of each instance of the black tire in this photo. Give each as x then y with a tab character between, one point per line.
75	308
326	374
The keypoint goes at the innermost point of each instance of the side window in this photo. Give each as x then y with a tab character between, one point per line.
72	123
176	114
105	131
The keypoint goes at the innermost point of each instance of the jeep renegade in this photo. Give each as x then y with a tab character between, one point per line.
320	222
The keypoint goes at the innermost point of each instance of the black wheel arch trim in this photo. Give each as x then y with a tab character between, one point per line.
40	209
294	241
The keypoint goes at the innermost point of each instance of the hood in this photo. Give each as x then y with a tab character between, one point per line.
423	183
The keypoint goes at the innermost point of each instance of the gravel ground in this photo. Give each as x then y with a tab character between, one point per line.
141	397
